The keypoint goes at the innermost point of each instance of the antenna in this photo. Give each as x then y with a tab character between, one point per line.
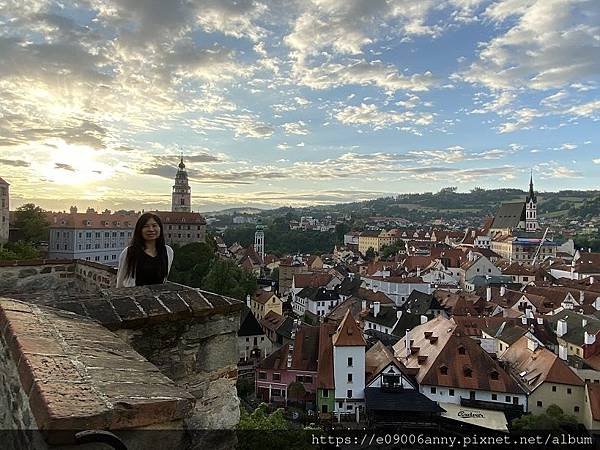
539	247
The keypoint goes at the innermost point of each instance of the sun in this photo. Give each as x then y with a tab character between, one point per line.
73	164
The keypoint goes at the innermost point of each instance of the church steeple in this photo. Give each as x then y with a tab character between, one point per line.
531	223
181	198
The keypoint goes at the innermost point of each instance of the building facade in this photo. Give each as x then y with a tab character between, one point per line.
182	228
90	236
4	211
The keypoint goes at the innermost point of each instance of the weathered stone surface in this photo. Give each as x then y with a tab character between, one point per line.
46	270
77	384
27	273
218	408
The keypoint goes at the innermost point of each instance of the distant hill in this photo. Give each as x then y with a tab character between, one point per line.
234	211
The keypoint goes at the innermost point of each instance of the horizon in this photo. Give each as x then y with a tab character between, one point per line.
303	103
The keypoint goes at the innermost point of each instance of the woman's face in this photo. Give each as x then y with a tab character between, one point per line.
151	230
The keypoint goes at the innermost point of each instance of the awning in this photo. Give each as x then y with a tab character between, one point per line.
494	420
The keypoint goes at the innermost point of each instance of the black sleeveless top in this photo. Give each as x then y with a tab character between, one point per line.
148	270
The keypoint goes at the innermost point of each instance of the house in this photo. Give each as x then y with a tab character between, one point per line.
397	288
591	416
519	273
381	318
476	265
311	279
325	376
392	396
278	328
497	337
453	368
584	265
577	334
264	301
287	268
253	343
315	302
292	364
349	366
545	377
423	305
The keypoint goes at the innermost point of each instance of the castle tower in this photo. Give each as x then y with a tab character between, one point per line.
259	240
531	223
4	211
182	193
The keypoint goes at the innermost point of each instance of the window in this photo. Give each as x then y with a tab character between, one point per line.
507	399
569	390
349	407
262	375
276	377
340	404
451	392
349	378
349	393
553	388
433	390
539	403
468	372
515	400
576	409
444	370
349	362
461	350
494	375
325	393
494	396
471	395
307	379
299	378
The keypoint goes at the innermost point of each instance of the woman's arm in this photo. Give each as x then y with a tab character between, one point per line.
122	268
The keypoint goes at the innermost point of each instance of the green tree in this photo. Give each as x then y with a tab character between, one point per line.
370	253
260	419
191	263
553	419
296	391
340	230
18	250
225	278
32	223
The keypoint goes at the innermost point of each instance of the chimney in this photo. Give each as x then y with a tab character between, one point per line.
407	342
423	319
573	272
540	321
488	294
363	305
532	344
581	297
591	280
561	327
524	320
248	300
502	291
562	352
418	271
73	209
588	338
376	307
583	323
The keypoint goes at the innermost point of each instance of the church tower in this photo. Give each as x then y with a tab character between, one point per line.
182	193
531	223
259	240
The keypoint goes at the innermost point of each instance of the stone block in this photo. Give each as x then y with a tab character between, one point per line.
46	270
24	273
60	268
217	352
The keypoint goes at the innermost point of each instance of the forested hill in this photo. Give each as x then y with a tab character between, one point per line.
452	204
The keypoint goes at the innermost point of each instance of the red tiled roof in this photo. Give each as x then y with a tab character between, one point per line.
180	217
594	394
95	220
302	280
348	333
325	363
261	296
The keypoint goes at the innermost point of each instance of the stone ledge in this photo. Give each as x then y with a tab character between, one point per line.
80	376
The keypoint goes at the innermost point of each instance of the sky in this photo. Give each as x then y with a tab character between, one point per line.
294	103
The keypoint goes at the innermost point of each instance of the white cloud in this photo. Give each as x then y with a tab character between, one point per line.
567	146
369	114
295	128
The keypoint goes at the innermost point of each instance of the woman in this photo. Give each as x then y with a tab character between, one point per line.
147	260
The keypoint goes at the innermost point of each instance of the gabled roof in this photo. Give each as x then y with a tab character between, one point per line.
325	379
349	285
509	215
378	358
319	279
419	303
3	182
371	296
593	390
532	368
386	317
261	296
348	333
446	357
249	326
517	269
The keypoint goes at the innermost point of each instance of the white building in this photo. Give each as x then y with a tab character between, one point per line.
349	366
396	288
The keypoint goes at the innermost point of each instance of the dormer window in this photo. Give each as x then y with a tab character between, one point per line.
461	350
468	372
444	370
494	375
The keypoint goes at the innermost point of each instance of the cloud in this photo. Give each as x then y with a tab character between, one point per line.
369	114
520	120
14	162
243	125
549	44
568	146
295	128
64	166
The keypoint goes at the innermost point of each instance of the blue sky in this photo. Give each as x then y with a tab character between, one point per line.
294	102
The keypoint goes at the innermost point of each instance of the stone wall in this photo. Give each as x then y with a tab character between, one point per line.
200	355
47	275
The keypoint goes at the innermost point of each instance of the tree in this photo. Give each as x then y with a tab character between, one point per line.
296	391
554	419
191	263
370	253
18	250
32	223
260	419
225	278
340	230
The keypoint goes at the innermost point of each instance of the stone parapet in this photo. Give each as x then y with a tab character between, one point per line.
77	375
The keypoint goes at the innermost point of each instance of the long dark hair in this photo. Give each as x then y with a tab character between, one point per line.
136	247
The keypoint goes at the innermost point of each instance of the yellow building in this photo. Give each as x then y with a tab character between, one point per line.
264	301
